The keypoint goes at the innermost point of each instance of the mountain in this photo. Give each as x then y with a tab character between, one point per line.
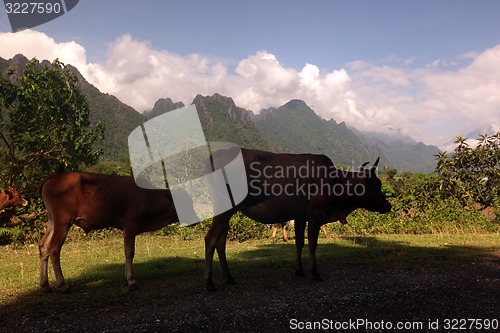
404	153
161	106
16	64
386	138
222	120
297	128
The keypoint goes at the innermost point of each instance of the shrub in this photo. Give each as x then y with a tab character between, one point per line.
242	228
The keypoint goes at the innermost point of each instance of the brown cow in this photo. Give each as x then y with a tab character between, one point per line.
275	227
95	201
11	198
300	187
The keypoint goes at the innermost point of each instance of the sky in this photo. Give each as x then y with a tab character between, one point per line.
428	69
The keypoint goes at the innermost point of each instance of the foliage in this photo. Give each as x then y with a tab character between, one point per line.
471	174
45	125
186	232
110	168
120	120
241	228
23	225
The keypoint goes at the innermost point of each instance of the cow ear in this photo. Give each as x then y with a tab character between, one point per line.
373	169
362	168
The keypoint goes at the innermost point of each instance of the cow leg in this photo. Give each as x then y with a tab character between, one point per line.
56	241
216	239
43	247
285	238
300	227
221	253
312	235
273	237
129	246
323	227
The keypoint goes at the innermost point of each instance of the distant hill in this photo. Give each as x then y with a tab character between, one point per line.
222	121
297	128
293	127
404	153
161	106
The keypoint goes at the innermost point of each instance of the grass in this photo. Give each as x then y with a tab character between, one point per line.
365	276
94	268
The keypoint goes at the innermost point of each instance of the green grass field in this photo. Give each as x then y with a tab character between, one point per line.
96	266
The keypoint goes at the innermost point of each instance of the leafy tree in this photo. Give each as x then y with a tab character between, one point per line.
44	125
472	174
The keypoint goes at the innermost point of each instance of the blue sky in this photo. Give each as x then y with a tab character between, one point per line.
378	65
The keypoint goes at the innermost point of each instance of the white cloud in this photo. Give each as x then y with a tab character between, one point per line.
432	103
261	81
36	44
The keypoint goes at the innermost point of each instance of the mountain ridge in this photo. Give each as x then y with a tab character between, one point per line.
293	127
313	134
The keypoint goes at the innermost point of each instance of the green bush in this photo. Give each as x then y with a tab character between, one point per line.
242	228
471	174
186	232
28	225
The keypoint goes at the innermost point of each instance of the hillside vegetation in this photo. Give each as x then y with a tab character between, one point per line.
298	129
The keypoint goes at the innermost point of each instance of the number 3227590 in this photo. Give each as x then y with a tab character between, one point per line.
33	8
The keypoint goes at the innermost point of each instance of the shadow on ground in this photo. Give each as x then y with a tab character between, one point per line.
367	280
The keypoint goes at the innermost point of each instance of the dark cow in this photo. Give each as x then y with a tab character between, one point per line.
95	201
11	198
300	187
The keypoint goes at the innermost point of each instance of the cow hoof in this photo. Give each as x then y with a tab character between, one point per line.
210	286
64	289
300	272
317	277
46	289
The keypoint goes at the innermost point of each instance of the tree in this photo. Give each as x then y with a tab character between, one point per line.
469	174
44	125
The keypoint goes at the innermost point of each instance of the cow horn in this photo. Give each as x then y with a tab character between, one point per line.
364	165
376	163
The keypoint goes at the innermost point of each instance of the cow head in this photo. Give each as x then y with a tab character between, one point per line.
373	198
11	198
